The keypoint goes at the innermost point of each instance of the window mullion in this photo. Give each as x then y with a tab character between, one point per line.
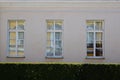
94	40
54	38
16	39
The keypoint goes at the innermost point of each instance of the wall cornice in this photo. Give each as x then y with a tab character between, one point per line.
102	4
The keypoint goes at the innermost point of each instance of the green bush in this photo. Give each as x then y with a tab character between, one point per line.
57	71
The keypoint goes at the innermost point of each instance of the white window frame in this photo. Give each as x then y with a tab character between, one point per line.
17	40
94	43
53	31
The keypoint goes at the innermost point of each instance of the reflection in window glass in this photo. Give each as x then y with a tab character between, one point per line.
90	25
16	38
58	25
21	35
98	36
20	25
50	25
12	24
95	38
98	26
54	38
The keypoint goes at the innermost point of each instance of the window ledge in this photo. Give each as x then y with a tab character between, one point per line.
95	57
15	56
54	57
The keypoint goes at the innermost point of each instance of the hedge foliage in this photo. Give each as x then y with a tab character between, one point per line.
16	71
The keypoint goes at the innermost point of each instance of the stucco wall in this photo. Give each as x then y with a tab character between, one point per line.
74	32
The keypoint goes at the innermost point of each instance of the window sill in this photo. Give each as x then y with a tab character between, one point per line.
54	57
15	56
95	57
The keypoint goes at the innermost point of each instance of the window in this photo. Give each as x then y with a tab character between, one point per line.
16	38
54	38
95	38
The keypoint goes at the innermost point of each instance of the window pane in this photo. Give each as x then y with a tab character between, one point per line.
58	25
90	25
12	47
90	49
20	48
20	25
50	36
58	51
98	25
50	51
98	44
98	36
12	53
12	24
12	35
90	45
50	25
12	42
21	42
90	37
99	52
20	35
50	43
90	53
20	53
58	44
50	39
58	36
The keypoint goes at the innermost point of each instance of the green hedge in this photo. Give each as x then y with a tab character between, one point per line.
17	71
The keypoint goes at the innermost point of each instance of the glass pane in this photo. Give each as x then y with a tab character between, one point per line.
58	44
58	52
90	37
90	41
98	36
98	25
21	42
58	36
20	35
12	53
20	48
50	43
12	42
12	24
12	35
90	25
20	53
50	25
90	53
12	47
50	39
50	51
99	52
50	36
20	25
58	25
98	44
90	46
